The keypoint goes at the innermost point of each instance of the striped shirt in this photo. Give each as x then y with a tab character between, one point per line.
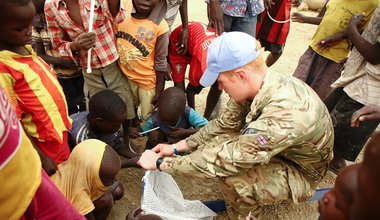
63	30
35	95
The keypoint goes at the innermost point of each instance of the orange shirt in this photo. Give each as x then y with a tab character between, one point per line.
137	41
37	98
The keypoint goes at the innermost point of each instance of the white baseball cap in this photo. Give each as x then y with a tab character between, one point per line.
227	52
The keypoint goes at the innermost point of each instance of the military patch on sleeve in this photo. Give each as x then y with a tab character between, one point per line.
250	131
262	141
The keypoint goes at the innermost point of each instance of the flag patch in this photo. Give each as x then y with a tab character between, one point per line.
262	140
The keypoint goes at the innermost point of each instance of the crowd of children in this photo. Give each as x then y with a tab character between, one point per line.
134	49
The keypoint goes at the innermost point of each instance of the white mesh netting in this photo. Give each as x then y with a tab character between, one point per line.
161	196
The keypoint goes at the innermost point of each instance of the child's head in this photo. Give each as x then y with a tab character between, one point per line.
171	105
356	192
16	17
144	7
336	204
367	204
109	166
107	111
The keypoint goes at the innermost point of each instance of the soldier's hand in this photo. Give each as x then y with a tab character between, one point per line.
148	160
164	149
84	41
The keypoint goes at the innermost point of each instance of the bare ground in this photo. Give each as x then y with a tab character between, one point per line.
298	40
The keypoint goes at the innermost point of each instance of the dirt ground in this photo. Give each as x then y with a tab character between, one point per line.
298	40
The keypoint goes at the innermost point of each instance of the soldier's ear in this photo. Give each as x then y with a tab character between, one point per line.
241	74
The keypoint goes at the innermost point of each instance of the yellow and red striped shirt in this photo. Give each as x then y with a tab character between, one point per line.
37	98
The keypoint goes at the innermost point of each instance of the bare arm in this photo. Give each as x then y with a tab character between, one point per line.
371	52
301	18
182	41
215	16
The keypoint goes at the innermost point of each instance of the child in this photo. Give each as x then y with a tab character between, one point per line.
175	119
357	86
67	22
198	41
336	203
32	89
356	192
87	178
107	112
27	193
323	61
272	35
142	41
69	74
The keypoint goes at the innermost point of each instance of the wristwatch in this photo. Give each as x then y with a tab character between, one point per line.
159	162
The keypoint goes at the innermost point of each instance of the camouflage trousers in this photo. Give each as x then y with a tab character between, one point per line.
266	184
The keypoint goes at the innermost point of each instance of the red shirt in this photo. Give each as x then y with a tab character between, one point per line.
38	100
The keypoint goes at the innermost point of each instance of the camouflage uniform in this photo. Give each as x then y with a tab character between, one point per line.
280	155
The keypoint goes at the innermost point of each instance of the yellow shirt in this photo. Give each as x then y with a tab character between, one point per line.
338	14
78	177
20	166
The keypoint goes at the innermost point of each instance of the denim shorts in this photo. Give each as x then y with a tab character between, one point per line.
245	24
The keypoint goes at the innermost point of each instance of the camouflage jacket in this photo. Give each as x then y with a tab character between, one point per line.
286	121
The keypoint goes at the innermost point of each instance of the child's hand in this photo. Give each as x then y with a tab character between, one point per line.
155	100
49	165
134	132
181	45
178	133
268	4
357	20
330	41
296	3
364	114
215	17
298	17
67	64
84	41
